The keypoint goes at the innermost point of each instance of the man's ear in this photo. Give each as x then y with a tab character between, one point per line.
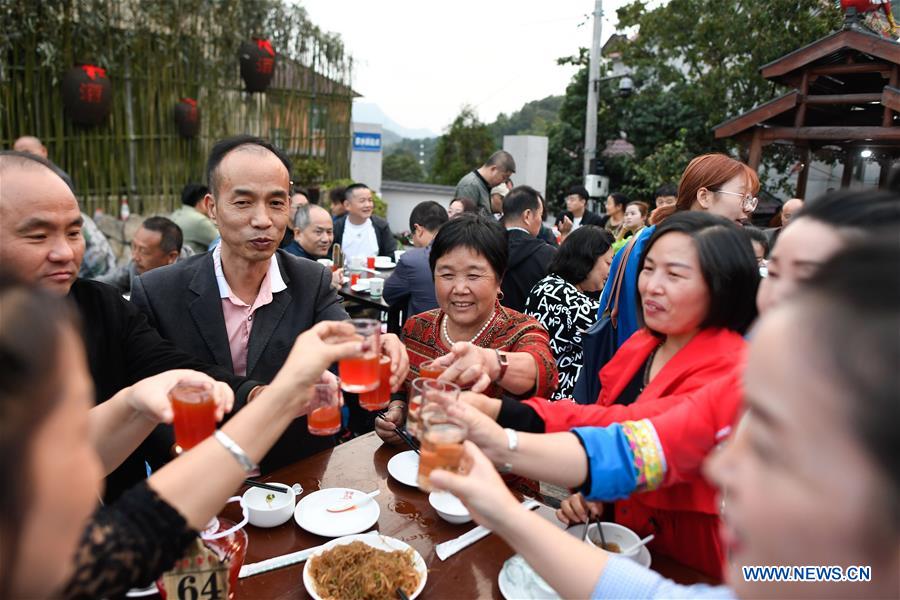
210	204
172	257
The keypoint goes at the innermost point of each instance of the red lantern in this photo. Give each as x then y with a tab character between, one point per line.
187	117
87	94
257	64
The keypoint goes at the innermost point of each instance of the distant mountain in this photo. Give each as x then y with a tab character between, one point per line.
368	112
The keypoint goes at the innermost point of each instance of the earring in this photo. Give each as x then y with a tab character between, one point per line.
500	295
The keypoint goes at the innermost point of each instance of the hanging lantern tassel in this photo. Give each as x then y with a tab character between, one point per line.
187	117
87	94
257	64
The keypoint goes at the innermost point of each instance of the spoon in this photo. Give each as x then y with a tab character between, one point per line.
344	507
633	548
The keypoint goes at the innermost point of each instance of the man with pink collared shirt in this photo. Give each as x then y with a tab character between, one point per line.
242	305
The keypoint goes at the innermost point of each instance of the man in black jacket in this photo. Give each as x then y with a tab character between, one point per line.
529	257
576	213
41	241
362	233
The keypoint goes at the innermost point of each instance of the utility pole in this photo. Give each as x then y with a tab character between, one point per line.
593	95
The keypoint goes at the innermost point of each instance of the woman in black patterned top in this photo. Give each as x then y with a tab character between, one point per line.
560	301
54	449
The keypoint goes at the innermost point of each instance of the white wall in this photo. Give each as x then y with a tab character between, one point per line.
530	154
401	197
365	165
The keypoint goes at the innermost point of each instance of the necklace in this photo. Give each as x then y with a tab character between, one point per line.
648	367
475	337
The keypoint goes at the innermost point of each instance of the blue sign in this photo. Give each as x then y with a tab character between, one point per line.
366	142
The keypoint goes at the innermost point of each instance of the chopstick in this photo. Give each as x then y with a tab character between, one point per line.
266	486
401	594
401	432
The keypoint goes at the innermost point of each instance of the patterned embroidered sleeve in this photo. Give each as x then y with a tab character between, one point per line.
128	544
623	459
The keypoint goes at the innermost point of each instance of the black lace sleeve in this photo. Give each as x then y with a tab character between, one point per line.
128	544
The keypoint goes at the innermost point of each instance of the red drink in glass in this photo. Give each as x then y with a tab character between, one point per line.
325	420
430	370
194	411
370	262
361	374
354	278
380	397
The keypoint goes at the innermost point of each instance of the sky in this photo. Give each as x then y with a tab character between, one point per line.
420	61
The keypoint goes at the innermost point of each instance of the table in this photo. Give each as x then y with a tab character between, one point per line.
394	313
405	514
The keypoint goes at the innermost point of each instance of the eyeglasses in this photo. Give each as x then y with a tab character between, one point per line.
748	202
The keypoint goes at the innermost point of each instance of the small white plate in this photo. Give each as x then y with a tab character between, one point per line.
404	467
385	266
312	513
381	542
518	581
361	286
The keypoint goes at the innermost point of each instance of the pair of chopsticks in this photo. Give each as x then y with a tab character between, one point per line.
266	486
401	432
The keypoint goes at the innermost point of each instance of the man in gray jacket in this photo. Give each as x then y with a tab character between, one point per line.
477	185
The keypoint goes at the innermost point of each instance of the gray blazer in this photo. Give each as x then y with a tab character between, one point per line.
182	302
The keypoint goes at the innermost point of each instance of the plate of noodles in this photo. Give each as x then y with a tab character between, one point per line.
364	566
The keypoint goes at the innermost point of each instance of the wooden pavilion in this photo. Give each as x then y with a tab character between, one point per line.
844	98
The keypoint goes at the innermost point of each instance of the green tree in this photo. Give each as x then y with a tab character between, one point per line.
402	166
465	146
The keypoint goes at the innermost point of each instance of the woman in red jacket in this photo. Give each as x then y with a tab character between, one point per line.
697	288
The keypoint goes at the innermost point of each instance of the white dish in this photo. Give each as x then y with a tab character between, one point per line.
270	514
624	537
312	513
385	264
360	286
404	467
449	507
150	590
518	581
380	542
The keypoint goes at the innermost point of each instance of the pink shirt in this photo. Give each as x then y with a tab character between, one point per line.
238	314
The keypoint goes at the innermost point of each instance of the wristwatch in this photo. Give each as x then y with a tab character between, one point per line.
503	361
512	443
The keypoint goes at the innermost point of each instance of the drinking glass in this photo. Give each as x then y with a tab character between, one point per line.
324	417
194	414
423	391
442	443
380	397
431	370
376	287
361	374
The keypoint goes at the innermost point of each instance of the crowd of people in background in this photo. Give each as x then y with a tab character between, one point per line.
606	352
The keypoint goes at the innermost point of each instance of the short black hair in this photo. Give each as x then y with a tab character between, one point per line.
578	190
481	234
579	252
336	195
727	263
348	191
868	209
428	214
192	193
619	198
171	239
299	189
518	200
667	189
759	236
225	146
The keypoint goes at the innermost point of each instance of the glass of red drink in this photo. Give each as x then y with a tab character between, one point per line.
380	397
431	370
324	415
361	374
442	443
194	411
422	392
354	278
370	262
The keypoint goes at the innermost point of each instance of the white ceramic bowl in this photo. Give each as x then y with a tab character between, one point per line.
449	507
266	514
614	534
383	262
